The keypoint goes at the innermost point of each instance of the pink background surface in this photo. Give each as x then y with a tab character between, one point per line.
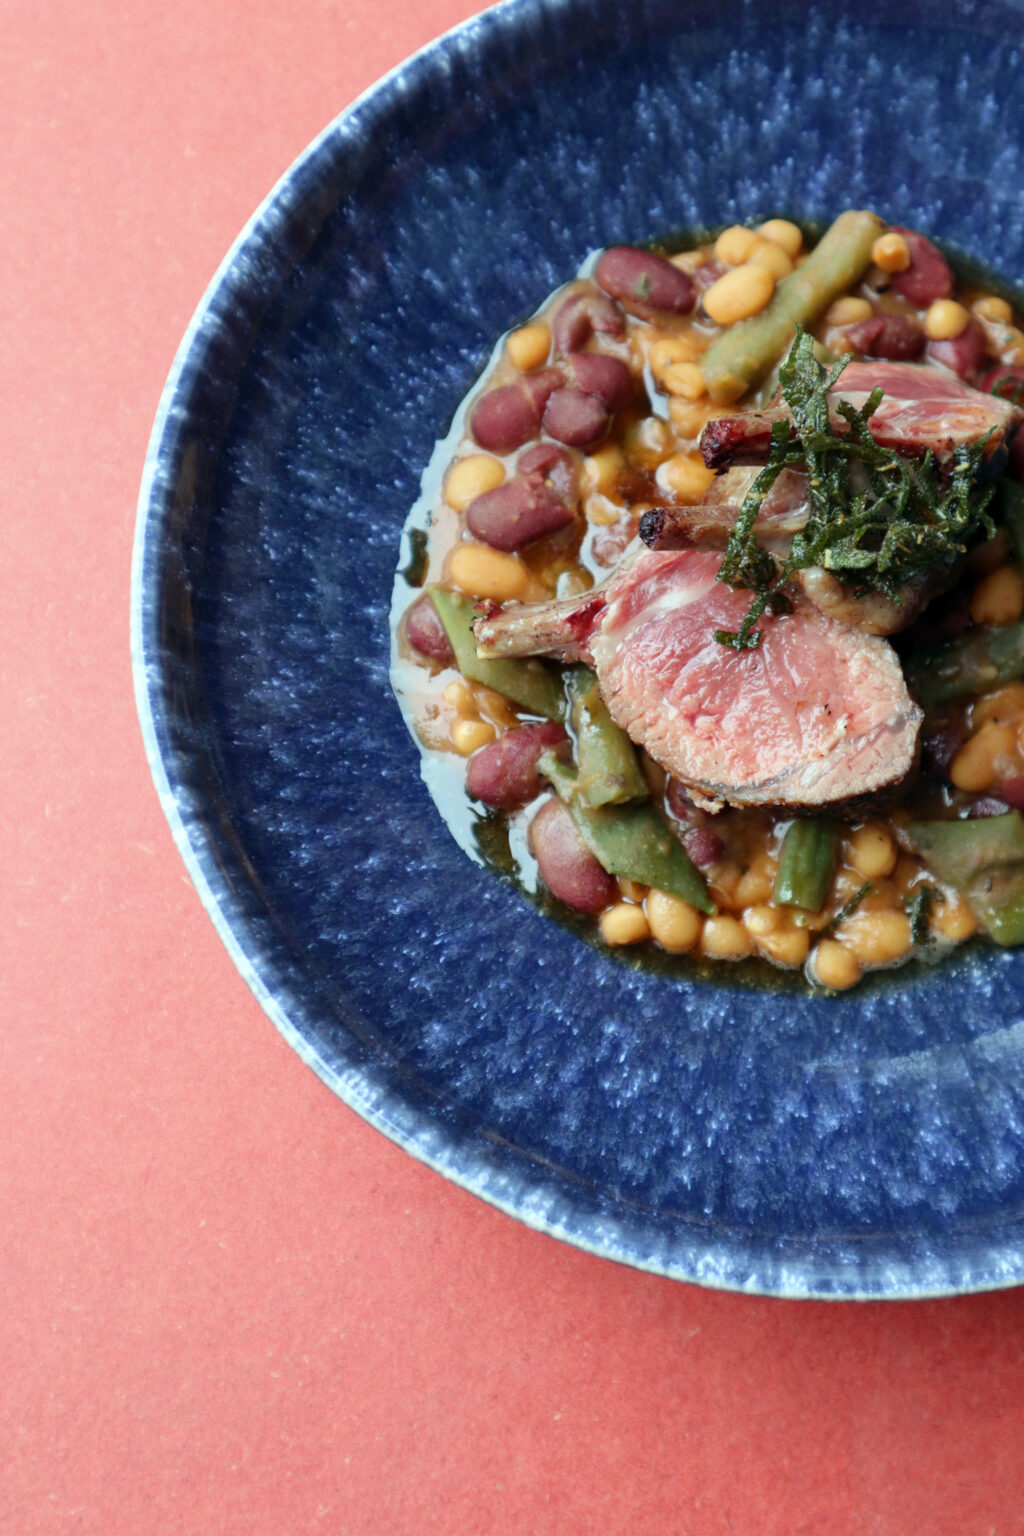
228	1305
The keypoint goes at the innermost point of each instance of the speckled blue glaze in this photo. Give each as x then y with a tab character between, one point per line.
871	1145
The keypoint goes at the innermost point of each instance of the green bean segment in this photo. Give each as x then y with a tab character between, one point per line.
986	657
531	683
609	773
807	864
746	351
984	861
633	841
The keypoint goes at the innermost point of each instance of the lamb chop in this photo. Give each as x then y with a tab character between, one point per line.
817	715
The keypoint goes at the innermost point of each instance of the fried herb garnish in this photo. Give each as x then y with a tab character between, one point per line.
919	910
877	520
845	911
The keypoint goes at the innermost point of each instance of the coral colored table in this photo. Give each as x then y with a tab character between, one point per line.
228	1305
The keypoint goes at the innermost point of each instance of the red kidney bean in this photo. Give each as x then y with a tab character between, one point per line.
555	465
426	632
504	773
580	315
704	846
965	353
940	746
1005	379
645	284
506	418
540	386
1012	790
928	277
568	868
518	513
606	377
897	338
540	458
677	798
573	417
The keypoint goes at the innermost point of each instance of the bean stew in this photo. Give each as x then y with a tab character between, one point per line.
717	614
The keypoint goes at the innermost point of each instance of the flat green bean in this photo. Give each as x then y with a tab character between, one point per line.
748	350
984	861
609	773
530	683
633	841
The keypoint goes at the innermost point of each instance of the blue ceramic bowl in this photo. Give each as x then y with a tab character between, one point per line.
869	1145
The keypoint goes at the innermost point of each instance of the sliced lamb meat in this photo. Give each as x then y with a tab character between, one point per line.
923	408
817	715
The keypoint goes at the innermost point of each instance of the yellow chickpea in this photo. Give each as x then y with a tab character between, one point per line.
891	252
784	233
471	477
484	572
673	922
834	966
493	706
632	890
459	696
976	765
529	346
999	597
872	852
684	379
624	924
686	476
602	469
600	510
786	945
724	880
906	874
735	245
724	938
669	350
739	294
1004	704
878	938
754	888
767	254
689	418
761	919
953	918
848	310
468	735
945	320
990	307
